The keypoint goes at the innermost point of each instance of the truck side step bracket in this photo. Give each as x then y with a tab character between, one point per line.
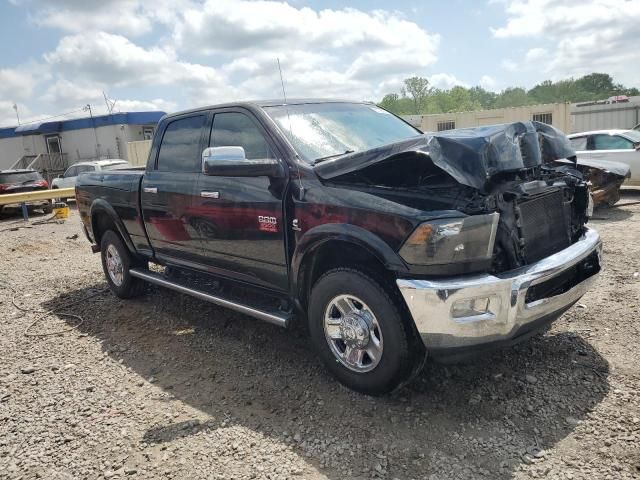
276	317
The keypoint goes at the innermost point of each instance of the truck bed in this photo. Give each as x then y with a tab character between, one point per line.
118	190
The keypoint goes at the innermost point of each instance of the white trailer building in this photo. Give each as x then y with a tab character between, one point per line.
52	146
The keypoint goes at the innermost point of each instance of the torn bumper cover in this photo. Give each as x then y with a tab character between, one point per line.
455	316
605	179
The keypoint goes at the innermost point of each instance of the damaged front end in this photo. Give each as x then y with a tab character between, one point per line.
511	170
506	249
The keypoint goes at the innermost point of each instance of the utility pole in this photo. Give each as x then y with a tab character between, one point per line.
95	132
15	107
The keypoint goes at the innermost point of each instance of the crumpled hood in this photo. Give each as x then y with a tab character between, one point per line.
470	155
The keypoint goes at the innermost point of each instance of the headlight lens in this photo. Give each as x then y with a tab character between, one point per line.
458	240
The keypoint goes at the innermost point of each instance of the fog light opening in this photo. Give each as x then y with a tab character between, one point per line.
471	307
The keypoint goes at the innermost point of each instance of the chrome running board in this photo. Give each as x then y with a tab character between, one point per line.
277	318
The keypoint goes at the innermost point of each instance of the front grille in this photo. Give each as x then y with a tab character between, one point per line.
543	226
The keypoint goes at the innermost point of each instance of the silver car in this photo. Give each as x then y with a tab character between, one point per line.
69	177
621	146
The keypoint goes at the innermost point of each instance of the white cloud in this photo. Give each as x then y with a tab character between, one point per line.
509	65
445	81
8	114
15	84
64	92
131	17
347	53
488	82
350	47
209	51
113	60
142	106
536	54
579	36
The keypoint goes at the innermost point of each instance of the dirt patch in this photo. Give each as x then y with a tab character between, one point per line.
166	386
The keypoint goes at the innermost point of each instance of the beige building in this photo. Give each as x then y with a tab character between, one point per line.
570	118
556	114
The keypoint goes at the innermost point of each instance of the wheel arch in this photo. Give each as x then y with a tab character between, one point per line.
337	245
103	218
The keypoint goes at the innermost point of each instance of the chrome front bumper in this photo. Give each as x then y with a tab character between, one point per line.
431	302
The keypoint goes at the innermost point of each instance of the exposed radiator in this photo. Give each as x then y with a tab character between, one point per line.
543	226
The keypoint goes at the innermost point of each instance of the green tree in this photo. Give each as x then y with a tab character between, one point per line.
596	83
418	88
485	98
418	97
390	102
512	97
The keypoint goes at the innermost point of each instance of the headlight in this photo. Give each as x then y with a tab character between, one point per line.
459	240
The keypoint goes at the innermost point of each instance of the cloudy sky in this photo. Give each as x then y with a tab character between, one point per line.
59	55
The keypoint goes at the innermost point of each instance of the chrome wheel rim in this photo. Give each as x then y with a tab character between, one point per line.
115	268
353	333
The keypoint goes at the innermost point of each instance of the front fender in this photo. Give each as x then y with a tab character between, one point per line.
317	236
102	207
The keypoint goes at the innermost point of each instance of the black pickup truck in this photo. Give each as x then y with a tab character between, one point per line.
392	245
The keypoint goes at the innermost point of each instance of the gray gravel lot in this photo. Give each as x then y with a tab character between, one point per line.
166	386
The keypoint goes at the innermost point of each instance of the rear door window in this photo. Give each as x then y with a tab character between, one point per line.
233	129
71	172
180	146
611	142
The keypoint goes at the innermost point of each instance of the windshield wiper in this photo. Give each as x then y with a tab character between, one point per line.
329	157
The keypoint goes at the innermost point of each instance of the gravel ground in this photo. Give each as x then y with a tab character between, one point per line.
166	386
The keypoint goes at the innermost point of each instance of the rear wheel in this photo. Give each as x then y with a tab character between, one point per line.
117	261
360	333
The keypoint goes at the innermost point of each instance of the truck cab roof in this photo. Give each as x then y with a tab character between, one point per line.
253	104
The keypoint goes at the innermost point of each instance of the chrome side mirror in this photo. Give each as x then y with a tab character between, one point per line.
222	154
232	162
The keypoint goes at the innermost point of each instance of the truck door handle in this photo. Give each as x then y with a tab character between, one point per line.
210	194
150	190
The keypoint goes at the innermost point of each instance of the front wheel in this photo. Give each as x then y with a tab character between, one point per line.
116	263
359	332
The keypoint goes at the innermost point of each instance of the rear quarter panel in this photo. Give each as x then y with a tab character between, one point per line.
118	189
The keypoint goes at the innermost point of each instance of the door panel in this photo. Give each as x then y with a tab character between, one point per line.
631	158
167	190
166	199
616	149
242	230
240	220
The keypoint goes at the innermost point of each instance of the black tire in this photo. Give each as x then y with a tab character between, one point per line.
129	286
402	353
48	209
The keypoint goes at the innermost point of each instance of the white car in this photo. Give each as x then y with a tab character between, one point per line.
68	178
622	146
